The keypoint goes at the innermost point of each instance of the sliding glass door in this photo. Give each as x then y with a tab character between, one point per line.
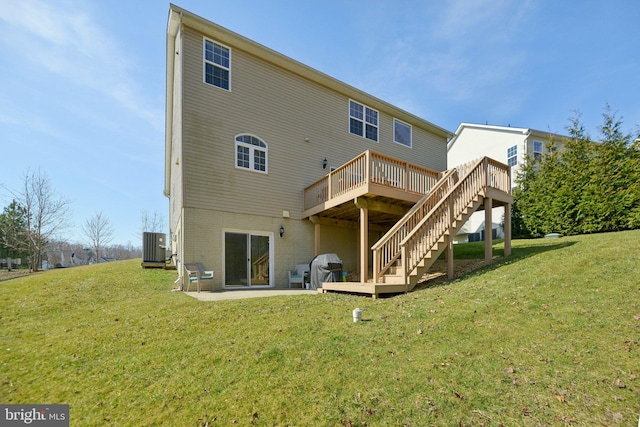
247	259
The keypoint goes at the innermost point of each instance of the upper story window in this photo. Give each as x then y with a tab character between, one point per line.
251	153
512	155
363	121
401	132
217	64
537	150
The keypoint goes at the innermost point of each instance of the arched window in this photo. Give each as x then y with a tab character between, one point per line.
251	153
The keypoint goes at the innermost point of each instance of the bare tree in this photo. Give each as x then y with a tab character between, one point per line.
47	215
153	223
99	232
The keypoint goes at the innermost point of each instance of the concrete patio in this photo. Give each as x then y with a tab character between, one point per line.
249	293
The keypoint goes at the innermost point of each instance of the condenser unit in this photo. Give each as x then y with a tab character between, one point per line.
154	247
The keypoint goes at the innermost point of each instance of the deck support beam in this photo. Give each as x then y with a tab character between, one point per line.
449	256
364	244
488	231
507	230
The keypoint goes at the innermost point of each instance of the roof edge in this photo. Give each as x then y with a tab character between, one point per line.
225	35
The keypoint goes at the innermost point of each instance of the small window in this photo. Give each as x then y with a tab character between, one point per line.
537	150
217	64
401	133
512	155
363	121
251	153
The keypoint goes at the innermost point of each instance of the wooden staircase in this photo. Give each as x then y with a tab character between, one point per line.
406	251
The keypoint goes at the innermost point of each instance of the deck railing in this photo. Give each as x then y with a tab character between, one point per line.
370	168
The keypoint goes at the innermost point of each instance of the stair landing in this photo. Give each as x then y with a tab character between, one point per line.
373	289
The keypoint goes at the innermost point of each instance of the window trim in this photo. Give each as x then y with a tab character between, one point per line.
398	121
205	62
538	152
512	156
364	121
252	149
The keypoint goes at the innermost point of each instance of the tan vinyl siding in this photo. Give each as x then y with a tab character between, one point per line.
203	239
176	194
302	116
282	109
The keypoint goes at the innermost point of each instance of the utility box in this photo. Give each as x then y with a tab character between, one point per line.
154	248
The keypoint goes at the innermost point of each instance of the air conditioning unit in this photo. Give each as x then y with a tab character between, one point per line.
154	247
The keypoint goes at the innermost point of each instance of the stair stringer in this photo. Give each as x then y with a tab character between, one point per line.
430	236
417	273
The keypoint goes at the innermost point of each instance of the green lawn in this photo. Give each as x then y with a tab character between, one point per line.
549	336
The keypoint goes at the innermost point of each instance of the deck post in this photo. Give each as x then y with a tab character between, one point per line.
450	257
364	244
488	231
507	230
449	249
316	234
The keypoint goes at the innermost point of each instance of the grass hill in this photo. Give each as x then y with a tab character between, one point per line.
549	336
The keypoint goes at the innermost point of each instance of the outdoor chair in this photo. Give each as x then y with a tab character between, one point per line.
197	273
296	276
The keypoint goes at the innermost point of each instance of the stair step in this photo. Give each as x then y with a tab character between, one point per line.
395	276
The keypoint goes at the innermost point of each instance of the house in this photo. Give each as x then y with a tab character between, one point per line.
510	145
269	163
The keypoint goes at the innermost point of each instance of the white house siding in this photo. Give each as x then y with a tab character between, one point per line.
475	141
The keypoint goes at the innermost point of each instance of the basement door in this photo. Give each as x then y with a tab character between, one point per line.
247	260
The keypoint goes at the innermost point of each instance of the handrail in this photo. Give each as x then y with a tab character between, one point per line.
387	249
426	234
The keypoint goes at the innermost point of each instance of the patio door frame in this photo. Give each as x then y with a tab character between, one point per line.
249	234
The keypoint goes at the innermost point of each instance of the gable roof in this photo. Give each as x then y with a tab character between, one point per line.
505	129
179	16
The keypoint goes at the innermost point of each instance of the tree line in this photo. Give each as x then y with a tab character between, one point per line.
37	219
581	185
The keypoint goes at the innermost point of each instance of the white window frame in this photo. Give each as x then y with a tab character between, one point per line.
537	154
512	155
365	121
252	153
214	64
401	123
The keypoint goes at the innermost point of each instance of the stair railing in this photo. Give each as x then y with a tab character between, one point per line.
424	237
387	249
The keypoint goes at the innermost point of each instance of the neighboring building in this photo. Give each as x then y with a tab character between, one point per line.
270	162
506	144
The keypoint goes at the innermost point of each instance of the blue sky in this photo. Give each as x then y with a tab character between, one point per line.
82	93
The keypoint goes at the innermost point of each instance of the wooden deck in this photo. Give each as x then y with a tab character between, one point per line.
373	289
419	211
389	185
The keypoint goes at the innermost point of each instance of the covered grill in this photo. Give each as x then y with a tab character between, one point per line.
324	268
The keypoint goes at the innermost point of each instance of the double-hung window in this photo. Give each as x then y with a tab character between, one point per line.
512	155
363	121
251	153
217	64
401	133
537	150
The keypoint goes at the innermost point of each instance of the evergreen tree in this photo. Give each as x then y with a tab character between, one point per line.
13	232
587	187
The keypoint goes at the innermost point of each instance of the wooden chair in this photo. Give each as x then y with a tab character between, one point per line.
296	276
197	273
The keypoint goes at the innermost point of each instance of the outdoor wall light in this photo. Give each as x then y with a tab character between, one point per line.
324	163
281	230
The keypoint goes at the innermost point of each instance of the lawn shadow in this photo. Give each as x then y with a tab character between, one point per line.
470	266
